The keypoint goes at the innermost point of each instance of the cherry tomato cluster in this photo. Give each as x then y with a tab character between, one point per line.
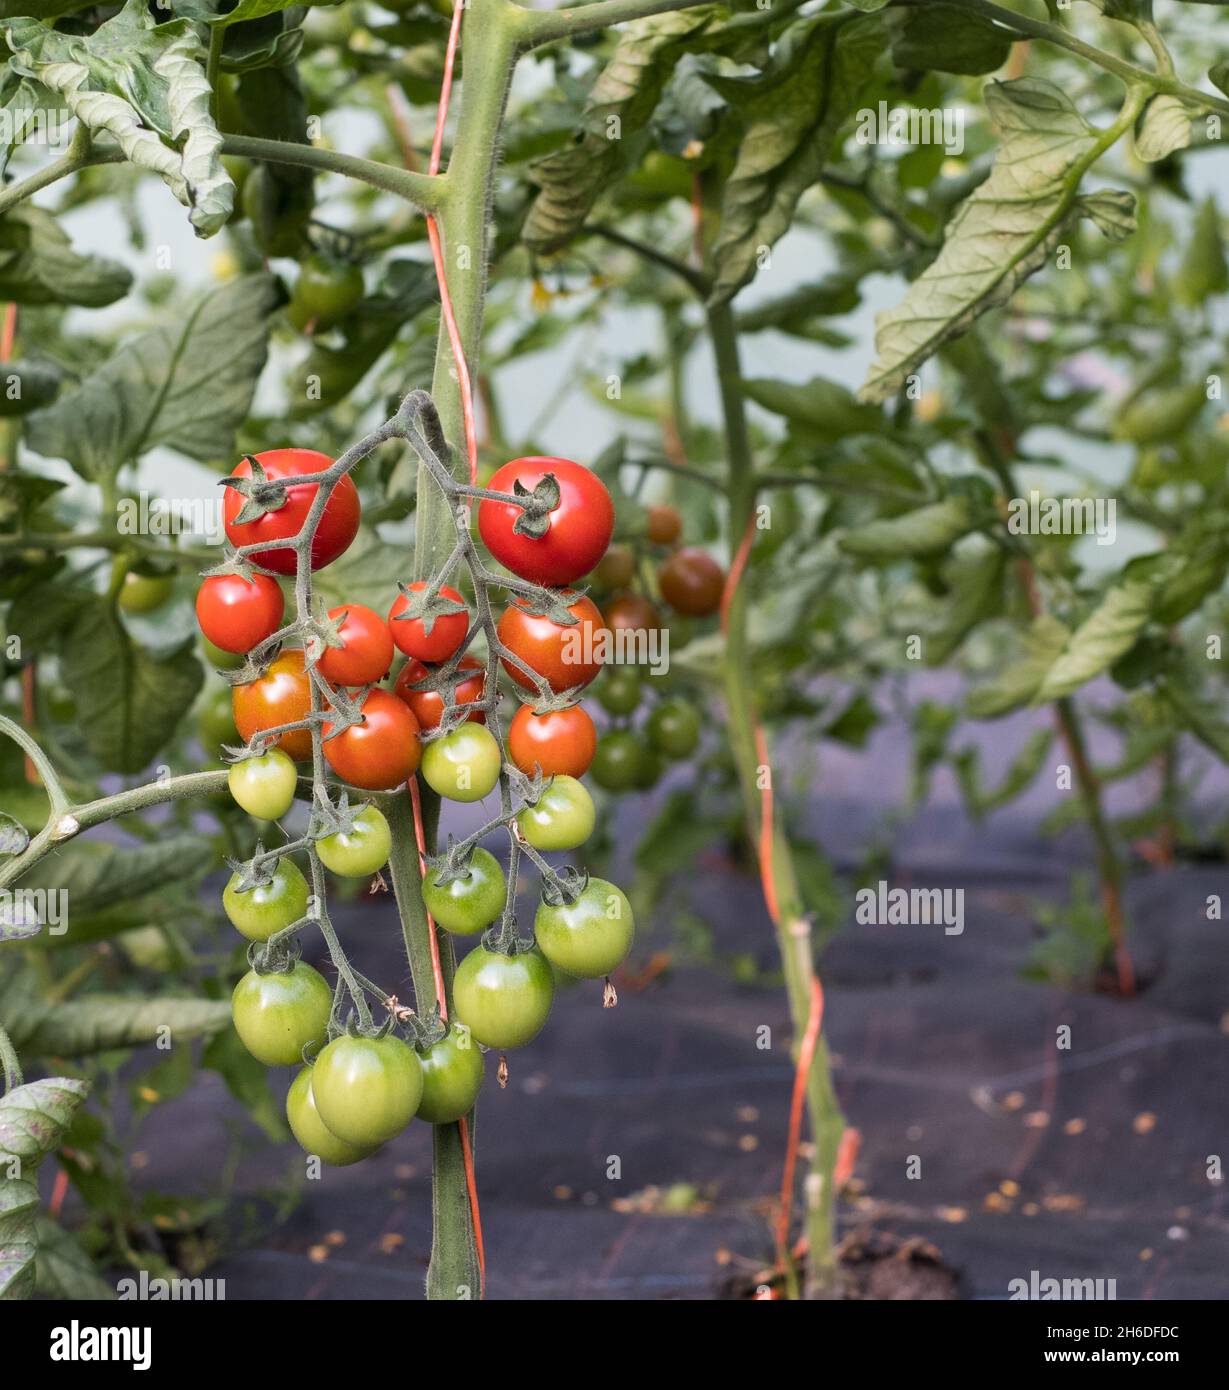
548	521
690	582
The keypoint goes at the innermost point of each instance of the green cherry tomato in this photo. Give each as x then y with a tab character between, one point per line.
648	774
360	852
278	1015
451	1076
314	1136
264	786
464	764
504	999
367	1089
590	937
618	692
617	763
215	722
562	818
674	728
324	293
220	660
468	904
259	912
142	593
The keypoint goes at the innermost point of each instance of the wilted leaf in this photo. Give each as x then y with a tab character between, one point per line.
187	386
1003	232
619	106
144	84
791	115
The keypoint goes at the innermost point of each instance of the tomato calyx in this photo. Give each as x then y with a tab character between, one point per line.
261	494
453	865
426	605
552	702
562	886
536	503
277	956
334	817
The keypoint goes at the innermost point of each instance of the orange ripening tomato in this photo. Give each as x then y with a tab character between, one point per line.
380	753
281	696
428	705
564	656
561	742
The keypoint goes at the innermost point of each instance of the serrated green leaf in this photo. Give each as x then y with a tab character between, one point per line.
33	1120
1164	127
976	587
187	386
791	116
618	109
144	84
1000	235
1016	685
926	531
39	266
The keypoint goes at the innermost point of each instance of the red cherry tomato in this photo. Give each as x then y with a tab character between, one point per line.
367	652
428	705
381	752
580	525
561	742
692	582
338	526
564	656
281	696
447	629
236	614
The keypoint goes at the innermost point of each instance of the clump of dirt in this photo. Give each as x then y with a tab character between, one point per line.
875	1265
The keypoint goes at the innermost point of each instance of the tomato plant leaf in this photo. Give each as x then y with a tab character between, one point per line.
1000	235
62	1268
101	1022
943	38
33	1120
825	407
144	84
1016	684
135	698
1164	127
790	117
93	877
186	386
39	266
928	530
617	110
1110	630
1020	774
